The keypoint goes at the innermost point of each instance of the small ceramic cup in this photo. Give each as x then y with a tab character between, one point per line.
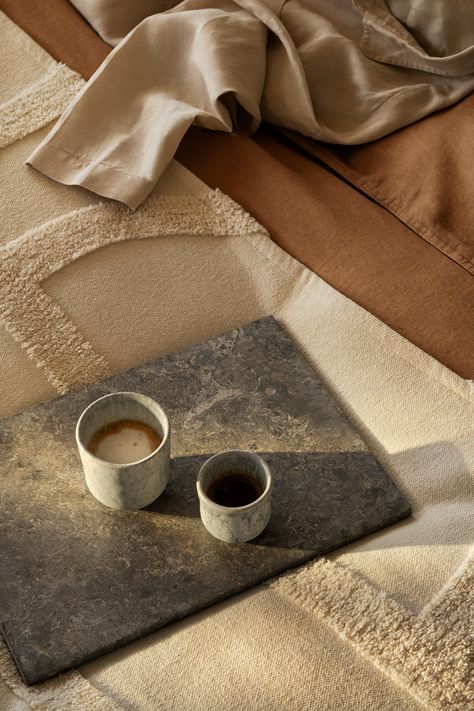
240	523
124	486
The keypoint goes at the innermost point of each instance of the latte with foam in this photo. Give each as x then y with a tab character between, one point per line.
124	442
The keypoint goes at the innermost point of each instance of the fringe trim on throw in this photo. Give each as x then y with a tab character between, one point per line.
430	656
38	104
39	325
69	692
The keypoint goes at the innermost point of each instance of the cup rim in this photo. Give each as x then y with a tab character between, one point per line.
235	509
114	465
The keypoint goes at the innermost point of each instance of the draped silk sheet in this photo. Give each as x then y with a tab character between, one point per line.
345	72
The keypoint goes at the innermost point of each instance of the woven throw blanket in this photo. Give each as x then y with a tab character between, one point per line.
90	288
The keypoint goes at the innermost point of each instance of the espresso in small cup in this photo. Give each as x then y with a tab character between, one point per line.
124	442
234	489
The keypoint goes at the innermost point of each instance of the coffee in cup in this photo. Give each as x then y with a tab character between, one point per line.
124	441
234	490
124	445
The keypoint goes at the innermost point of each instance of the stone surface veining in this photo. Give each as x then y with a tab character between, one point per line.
78	579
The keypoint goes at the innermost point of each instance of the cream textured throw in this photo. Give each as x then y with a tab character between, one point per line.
90	288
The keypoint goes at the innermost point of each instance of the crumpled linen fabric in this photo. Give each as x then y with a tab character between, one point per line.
346	72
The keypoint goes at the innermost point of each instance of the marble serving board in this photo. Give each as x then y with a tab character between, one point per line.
78	579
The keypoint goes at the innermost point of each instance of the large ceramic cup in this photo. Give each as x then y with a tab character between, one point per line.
240	523
125	486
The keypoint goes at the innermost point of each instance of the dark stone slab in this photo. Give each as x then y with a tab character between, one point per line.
78	579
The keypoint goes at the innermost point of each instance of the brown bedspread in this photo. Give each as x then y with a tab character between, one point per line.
354	243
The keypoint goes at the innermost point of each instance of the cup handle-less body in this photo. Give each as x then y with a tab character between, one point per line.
240	523
125	486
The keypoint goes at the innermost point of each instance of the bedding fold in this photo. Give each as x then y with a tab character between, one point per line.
347	74
118	147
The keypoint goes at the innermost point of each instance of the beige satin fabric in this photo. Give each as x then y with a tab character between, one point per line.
113	20
342	73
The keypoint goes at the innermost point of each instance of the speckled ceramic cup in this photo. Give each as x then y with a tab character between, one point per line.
125	486
240	523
